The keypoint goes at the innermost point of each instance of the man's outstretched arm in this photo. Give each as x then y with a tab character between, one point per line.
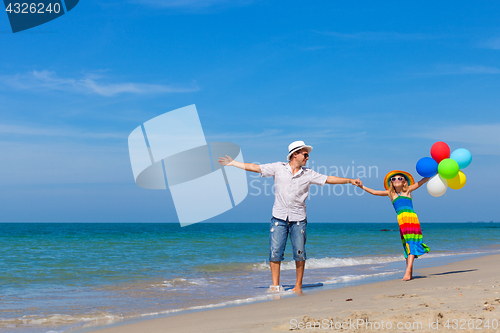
339	180
228	161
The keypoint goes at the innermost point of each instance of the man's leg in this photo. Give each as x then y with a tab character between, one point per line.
298	238
277	242
275	272
299	267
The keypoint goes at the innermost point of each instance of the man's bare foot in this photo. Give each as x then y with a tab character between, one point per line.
275	289
297	290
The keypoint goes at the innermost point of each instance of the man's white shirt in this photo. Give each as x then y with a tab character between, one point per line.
291	191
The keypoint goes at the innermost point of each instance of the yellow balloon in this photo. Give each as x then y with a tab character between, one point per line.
458	182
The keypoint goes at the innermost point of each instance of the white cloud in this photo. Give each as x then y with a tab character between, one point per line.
272	137
482	139
376	35
34	130
314	48
476	70
89	84
192	3
492	43
486	133
462	70
38	154
28	163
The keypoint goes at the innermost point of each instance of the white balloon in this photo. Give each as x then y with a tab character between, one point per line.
437	186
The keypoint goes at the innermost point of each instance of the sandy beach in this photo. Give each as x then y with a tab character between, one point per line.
462	296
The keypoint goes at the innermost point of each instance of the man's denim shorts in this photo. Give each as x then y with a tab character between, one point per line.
278	235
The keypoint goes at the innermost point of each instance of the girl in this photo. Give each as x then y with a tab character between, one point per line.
399	185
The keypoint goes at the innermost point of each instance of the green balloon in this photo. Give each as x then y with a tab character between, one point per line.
448	168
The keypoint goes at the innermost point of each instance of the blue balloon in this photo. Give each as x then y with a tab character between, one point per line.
462	156
427	167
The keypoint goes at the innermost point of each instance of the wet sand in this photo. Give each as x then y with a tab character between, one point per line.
459	297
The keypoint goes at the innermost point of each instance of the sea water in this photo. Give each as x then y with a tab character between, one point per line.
58	276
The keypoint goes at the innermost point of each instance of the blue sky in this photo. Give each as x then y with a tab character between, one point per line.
366	84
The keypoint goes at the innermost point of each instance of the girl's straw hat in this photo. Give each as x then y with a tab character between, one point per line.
407	175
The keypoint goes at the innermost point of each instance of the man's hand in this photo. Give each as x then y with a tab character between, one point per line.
340	181
227	161
357	182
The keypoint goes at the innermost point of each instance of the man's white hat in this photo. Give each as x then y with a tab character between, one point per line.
297	145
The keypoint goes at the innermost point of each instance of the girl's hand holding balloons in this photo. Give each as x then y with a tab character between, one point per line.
444	168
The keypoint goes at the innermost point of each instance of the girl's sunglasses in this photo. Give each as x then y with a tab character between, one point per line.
398	178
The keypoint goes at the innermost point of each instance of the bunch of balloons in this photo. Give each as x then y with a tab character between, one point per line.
444	168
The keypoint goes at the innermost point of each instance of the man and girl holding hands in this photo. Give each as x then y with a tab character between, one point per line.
291	187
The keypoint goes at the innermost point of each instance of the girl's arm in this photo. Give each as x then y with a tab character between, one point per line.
375	192
418	184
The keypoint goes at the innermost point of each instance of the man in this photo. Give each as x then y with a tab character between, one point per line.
291	185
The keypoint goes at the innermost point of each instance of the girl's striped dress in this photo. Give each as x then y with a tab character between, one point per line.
409	227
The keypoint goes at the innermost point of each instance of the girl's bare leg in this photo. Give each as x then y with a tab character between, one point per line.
409	268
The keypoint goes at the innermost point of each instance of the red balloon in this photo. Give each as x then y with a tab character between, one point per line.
440	151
